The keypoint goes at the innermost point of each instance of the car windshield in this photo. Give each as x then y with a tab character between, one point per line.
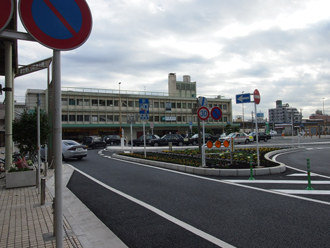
70	143
195	136
232	135
156	137
164	137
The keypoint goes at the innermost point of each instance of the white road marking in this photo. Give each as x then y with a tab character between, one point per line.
176	221
303	192
278	181
301	175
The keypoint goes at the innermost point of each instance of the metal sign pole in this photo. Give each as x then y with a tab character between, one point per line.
131	137
203	146
38	140
255	112
57	147
144	139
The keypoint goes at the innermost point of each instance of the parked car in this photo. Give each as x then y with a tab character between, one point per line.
113	139
94	142
273	133
261	136
70	149
176	139
208	136
140	140
237	138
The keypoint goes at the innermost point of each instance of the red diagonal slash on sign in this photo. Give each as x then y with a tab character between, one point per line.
60	17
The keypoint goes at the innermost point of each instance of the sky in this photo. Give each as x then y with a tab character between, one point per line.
280	47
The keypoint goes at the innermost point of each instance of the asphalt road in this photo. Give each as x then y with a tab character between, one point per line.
152	207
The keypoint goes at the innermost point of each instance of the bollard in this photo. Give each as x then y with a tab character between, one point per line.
251	169
43	191
170	146
53	207
37	180
309	176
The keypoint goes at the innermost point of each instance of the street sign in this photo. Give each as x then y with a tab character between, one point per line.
216	113
43	64
243	98
202	101
203	113
144	106
59	25
6	12
144	117
256	96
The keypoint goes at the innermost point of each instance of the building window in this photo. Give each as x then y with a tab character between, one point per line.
184	105
86	117
225	119
156	105
137	105
210	105
178	118
178	105
162	105
224	107
102	117
157	118
72	101
72	118
184	118
130	104
86	102
64	101
189	118
94	102
220	106
94	118
116	103
189	105
64	118
102	102
173	105
123	103
109	103
110	118
195	105
116	117
151	118
195	118
80	102
80	117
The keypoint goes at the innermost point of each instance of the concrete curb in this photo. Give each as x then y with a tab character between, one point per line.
214	172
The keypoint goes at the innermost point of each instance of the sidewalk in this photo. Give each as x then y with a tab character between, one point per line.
26	223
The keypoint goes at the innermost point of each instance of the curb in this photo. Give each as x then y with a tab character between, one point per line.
211	171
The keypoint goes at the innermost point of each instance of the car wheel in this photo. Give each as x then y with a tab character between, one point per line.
194	143
156	144
247	141
111	143
180	143
265	139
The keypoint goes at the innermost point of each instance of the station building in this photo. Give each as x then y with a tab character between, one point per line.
89	111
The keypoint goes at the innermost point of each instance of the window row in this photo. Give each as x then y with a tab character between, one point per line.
129	103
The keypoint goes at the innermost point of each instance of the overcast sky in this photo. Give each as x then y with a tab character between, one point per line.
280	47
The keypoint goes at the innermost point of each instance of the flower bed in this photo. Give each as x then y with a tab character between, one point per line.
213	158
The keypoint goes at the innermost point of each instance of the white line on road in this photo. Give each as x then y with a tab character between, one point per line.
176	221
303	192
278	181
301	175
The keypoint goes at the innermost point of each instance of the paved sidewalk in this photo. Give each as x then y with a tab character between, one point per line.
26	223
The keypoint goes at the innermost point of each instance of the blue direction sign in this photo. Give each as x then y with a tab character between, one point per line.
144	106
243	98
57	24
216	113
6	11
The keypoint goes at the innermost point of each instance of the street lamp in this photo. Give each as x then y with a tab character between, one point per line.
119	110
243	114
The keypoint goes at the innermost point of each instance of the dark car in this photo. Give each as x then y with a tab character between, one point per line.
261	136
208	136
112	139
176	139
94	142
140	140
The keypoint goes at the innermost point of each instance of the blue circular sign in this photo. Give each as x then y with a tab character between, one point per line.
216	113
57	24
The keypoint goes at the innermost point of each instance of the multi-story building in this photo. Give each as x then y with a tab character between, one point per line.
283	113
87	111
319	115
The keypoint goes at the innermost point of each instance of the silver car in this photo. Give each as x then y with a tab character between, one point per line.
70	149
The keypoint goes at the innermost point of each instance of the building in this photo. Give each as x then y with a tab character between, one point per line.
319	116
87	111
283	113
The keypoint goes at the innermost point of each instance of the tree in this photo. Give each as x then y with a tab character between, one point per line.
229	129
25	131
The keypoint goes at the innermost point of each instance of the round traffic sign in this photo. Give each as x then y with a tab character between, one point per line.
6	12
59	25
203	113
216	113
256	96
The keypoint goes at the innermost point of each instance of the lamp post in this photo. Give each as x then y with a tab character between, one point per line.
243	114
119	110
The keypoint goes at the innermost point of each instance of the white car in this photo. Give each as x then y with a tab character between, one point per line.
273	133
70	149
237	138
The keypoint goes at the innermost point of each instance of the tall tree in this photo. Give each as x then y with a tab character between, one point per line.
25	131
